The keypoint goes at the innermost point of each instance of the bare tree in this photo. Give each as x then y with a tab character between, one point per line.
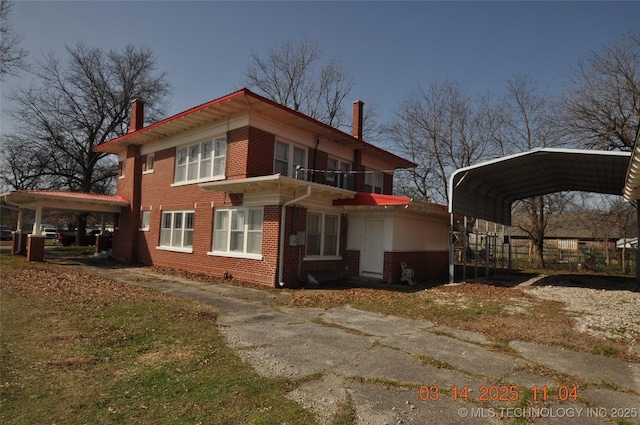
525	120
441	129
291	74
17	170
601	109
625	217
525	124
75	107
12	56
611	216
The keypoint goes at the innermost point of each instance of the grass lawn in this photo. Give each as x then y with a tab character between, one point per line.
77	348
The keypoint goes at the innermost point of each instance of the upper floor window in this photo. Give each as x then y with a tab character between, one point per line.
373	182
339	174
148	163
121	168
176	232
322	234
201	161
238	232
287	158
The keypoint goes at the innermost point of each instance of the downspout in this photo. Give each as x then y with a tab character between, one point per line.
282	226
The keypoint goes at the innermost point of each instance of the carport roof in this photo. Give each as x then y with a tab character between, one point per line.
487	190
632	184
74	201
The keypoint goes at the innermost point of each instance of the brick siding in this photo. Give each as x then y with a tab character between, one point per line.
250	153
425	264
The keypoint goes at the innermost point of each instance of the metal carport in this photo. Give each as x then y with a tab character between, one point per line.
72	201
488	190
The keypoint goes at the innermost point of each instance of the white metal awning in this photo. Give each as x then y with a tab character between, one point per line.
632	183
288	187
487	190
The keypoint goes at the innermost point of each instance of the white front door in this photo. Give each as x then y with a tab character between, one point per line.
372	254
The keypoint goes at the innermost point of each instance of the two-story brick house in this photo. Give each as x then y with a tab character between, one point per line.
244	187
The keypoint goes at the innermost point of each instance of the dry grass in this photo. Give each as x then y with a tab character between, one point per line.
497	309
500	313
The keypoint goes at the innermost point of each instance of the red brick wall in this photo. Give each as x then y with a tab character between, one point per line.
19	243
258	271
237	153
387	184
321	163
261	150
35	248
357	166
425	264
250	153
295	267
124	237
158	195
352	261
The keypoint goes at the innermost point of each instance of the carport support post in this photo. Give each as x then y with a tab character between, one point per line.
451	248
510	252
477	232
487	248
638	248
464	252
18	248
38	220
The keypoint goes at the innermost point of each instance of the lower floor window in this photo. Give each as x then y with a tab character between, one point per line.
238	230
177	229
145	220
322	234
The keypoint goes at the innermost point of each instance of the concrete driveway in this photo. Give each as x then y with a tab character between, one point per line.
399	371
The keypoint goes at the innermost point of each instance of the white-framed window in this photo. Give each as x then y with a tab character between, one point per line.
339	174
237	232
373	181
322	234
145	220
286	159
201	161
121	169
176	231
148	164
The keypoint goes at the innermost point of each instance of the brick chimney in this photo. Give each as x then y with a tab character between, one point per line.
137	115
356	129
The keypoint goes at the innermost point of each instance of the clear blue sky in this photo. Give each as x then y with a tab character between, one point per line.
392	47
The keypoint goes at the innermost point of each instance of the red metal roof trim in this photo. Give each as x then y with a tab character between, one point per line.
173	117
75	195
373	199
247	92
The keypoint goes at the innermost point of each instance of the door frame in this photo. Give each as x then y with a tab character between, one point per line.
366	253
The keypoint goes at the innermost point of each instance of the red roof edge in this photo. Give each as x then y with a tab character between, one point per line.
373	199
240	92
74	195
246	92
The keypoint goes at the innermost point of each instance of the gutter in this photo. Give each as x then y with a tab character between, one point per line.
282	241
